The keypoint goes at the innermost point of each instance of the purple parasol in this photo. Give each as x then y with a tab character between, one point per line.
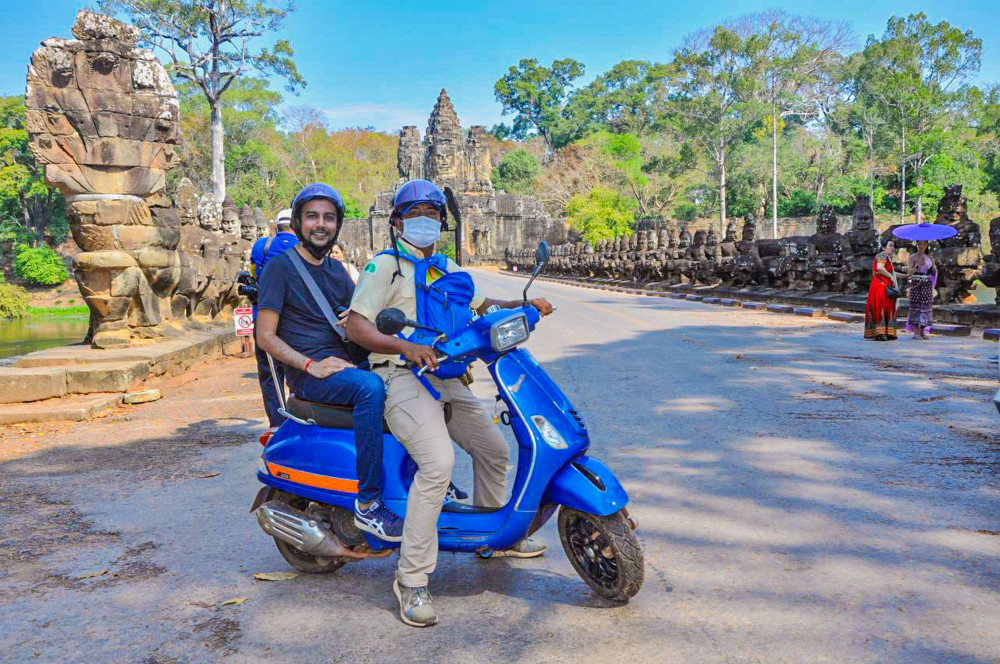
925	231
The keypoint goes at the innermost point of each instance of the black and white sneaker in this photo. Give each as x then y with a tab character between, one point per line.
379	521
455	494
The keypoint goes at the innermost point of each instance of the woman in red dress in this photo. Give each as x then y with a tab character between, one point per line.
880	311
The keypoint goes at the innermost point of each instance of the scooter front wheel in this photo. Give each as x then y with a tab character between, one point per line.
604	551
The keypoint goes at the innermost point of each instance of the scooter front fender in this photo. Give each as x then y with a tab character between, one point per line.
587	485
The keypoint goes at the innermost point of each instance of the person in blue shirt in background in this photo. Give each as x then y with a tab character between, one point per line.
263	250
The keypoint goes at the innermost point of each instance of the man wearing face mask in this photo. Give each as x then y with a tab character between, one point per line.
414	409
292	329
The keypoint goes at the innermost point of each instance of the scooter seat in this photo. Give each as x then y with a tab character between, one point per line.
334	417
325	414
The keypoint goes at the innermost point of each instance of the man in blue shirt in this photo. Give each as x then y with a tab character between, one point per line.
292	329
263	250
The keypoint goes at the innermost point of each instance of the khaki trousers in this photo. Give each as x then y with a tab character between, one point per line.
417	420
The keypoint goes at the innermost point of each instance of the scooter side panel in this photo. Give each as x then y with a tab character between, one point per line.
529	392
589	486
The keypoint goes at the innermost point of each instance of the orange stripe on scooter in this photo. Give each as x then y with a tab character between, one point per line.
312	479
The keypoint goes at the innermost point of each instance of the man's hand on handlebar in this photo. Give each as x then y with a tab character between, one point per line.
420	356
544	306
327	367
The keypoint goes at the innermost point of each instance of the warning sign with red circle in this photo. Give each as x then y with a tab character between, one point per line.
243	319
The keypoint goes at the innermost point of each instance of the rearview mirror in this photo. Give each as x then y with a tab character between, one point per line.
390	322
542	254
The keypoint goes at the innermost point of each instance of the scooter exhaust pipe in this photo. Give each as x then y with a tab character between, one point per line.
302	531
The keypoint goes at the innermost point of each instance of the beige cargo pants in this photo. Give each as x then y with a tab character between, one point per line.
417	420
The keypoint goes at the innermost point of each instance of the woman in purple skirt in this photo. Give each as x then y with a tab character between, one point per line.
921	273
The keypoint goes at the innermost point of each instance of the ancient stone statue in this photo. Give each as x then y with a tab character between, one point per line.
248	228
235	252
864	243
991	266
958	258
748	269
102	117
829	265
260	222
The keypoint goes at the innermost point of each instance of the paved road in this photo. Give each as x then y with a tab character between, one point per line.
802	496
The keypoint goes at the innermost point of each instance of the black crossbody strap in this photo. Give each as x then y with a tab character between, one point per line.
321	301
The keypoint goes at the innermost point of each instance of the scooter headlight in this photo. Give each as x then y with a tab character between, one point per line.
262	466
508	333
549	433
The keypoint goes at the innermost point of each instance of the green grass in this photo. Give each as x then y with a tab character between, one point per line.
80	310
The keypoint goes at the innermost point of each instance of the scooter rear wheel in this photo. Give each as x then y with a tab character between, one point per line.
604	551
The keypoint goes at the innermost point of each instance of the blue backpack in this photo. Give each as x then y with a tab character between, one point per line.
443	305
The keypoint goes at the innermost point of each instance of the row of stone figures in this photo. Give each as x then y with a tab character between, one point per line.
827	261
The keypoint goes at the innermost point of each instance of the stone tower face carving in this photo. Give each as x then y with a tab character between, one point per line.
102	117
446	156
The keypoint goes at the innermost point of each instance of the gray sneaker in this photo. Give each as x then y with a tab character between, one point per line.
415	605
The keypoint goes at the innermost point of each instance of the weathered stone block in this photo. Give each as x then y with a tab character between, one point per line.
19	384
809	312
693	298
103	260
951	330
991	334
780	308
143	396
105	377
846	317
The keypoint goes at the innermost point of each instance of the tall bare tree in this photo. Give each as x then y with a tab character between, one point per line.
211	44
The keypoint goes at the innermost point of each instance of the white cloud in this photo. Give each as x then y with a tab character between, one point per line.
384	117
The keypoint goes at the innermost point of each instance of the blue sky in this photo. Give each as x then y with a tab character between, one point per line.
382	63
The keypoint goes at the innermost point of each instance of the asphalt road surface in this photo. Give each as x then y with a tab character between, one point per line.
802	496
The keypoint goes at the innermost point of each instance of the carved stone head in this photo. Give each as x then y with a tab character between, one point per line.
699	238
664	238
186	201
711	240
230	219
652	241
210	214
826	222
952	206
731	231
749	228
260	222
685	239
248	230
863	217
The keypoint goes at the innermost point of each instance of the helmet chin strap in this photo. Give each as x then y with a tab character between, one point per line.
316	252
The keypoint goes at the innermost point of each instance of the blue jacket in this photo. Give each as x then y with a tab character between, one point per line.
281	243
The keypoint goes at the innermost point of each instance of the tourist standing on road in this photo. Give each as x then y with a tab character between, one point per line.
921	277
880	309
263	250
337	254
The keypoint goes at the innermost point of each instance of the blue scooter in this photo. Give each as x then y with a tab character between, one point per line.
310	483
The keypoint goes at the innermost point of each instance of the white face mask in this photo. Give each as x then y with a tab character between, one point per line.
421	232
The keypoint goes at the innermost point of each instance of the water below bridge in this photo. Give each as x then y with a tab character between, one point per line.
24	335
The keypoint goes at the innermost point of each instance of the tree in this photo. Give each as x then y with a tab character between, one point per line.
717	97
535	95
918	74
627	99
30	210
601	214
516	172
209	44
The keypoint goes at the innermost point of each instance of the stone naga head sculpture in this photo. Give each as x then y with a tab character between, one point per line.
102	113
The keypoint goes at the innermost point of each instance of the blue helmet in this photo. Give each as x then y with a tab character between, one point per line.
415	192
314	191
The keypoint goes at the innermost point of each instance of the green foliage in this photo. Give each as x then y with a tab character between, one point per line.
799	203
601	214
516	172
30	211
80	310
40	266
686	212
535	95
13	301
